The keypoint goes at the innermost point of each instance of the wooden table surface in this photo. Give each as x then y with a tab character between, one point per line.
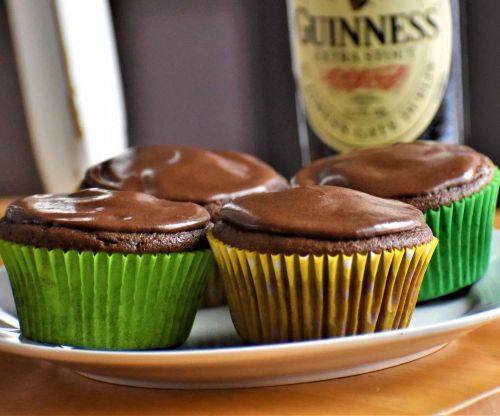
463	378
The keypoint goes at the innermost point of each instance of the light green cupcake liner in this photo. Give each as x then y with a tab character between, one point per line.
464	231
106	301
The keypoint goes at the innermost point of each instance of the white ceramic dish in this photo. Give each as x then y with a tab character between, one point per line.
213	357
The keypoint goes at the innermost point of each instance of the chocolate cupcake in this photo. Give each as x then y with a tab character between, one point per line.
178	173
105	269
454	186
316	262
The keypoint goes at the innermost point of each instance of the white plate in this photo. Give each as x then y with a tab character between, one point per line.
213	357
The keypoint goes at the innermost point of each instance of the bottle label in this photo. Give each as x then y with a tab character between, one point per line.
371	72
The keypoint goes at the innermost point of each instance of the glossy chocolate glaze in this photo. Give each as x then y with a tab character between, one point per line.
325	212
112	211
262	242
185	174
401	170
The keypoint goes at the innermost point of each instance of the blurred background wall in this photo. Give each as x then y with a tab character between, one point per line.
217	74
18	174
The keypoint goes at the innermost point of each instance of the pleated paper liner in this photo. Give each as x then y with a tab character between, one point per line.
214	293
464	230
105	301
279	298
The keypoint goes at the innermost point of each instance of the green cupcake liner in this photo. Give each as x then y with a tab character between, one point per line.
464	231
106	301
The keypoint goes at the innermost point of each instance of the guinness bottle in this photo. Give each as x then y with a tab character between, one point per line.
375	72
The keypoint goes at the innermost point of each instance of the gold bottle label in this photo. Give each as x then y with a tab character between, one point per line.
371	72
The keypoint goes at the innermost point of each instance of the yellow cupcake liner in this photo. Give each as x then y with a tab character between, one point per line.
280	298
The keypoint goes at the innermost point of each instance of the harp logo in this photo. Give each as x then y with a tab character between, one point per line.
358	4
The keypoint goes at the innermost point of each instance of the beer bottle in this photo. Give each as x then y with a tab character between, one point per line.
375	72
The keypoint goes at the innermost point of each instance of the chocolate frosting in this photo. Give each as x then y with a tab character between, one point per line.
325	212
104	210
185	174
404	169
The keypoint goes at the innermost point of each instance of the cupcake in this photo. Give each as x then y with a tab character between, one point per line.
105	269
177	173
454	186
316	262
